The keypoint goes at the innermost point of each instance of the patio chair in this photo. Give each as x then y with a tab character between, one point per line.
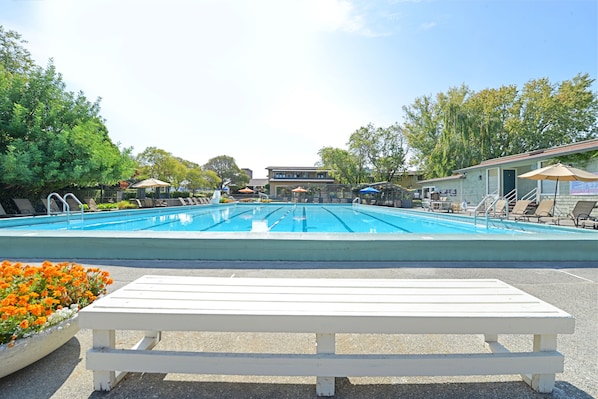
543	210
25	207
54	208
519	209
581	211
3	213
92	205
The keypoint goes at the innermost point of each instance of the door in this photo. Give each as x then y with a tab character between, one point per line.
508	181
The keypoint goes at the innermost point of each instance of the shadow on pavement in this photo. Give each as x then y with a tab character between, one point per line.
137	385
43	378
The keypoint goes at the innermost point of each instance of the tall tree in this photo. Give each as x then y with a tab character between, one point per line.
346	168
384	150
226	168
51	138
461	128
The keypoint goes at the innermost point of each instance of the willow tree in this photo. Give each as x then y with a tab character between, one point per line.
462	128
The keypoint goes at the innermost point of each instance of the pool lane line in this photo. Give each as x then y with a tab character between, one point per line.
175	220
349	229
226	220
384	221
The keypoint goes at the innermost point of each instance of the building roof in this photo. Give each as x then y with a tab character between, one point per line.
437	179
294	168
524	158
538	155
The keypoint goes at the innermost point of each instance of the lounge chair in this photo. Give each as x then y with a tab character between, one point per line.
148	203
519	209
581	211
3	213
500	208
92	205
74	206
54	208
543	210
25	207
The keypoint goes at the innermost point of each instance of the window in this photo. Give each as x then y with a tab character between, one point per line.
493	183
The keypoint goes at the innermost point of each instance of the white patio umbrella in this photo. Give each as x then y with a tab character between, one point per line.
150	183
559	172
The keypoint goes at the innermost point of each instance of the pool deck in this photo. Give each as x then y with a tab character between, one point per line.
570	286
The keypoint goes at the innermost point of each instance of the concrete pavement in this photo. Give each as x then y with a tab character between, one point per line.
569	286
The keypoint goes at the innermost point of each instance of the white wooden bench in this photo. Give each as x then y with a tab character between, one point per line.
324	307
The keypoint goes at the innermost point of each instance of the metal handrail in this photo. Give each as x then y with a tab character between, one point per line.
65	205
492	196
77	201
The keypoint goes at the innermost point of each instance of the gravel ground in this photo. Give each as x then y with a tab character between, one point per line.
571	287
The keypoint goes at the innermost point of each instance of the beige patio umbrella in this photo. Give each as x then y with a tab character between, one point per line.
299	190
150	183
246	190
559	172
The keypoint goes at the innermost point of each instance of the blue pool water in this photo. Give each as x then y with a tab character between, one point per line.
294	218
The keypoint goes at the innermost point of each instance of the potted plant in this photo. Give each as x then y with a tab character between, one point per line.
38	308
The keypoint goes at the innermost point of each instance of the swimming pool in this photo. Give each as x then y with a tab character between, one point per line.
288	232
278	218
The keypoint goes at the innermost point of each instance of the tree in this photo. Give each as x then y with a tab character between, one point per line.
383	149
51	138
345	167
462	128
14	57
226	168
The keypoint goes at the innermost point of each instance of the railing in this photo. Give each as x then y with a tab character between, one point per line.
531	195
490	197
65	205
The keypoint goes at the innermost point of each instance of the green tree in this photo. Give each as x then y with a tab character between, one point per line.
346	168
383	149
51	138
14	57
226	168
462	128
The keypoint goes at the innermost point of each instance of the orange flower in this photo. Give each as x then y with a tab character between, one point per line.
24	324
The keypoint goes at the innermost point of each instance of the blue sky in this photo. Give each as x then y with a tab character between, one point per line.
272	82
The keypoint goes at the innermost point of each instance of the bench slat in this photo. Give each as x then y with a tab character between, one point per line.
325	364
261	304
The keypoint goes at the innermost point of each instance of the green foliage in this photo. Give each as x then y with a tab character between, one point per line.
160	164
226	168
50	138
383	150
345	167
126	205
462	128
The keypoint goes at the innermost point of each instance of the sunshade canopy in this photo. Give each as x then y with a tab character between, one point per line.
246	190
560	172
151	182
299	190
369	190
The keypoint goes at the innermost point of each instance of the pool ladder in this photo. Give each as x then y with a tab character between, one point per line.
65	205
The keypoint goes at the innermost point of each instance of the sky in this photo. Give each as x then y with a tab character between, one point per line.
271	82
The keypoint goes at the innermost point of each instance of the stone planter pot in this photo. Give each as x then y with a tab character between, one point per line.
31	349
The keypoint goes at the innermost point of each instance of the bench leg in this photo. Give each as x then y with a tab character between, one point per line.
104	380
325	344
543	383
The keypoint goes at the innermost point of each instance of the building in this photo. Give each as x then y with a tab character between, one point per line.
499	177
283	179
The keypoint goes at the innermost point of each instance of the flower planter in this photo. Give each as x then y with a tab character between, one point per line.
31	349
